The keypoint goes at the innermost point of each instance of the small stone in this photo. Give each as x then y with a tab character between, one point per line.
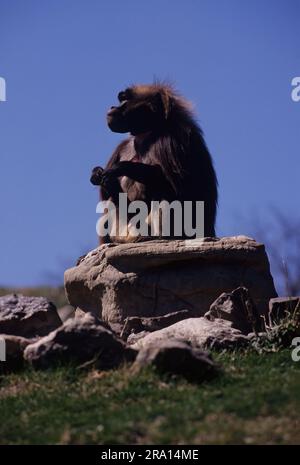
198	332
80	340
27	316
175	357
238	308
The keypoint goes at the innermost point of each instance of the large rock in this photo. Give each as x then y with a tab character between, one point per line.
27	316
198	332
178	358
80	340
158	277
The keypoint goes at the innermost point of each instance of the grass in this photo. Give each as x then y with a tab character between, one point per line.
279	334
255	401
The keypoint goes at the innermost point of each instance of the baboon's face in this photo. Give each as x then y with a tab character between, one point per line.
136	113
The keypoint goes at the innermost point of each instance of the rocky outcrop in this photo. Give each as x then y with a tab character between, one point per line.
79	340
154	278
27	316
169	300
178	358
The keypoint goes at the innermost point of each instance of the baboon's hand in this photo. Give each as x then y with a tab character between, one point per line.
96	177
110	175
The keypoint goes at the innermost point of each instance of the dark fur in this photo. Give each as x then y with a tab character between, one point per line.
171	162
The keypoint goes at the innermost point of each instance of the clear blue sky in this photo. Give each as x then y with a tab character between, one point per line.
64	61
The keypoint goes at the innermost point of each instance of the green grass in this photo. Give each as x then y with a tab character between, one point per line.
256	400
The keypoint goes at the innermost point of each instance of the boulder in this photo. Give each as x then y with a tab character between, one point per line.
198	332
154	278
238	308
27	316
175	357
79	340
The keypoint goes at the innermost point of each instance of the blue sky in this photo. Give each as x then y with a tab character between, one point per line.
64	62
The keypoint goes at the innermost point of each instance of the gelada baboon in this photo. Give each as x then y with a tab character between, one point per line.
165	158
